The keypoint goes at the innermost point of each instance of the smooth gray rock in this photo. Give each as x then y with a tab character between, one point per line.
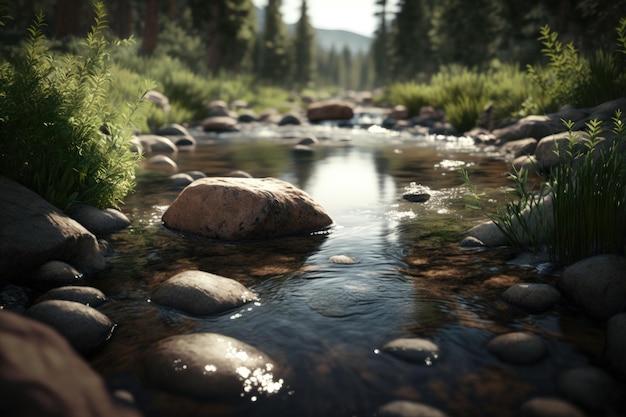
549	407
84	327
210	365
97	221
534	297
157	143
414	350
89	296
201	293
597	285
54	274
518	347
408	409
162	162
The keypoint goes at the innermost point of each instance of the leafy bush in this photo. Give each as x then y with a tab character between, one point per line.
58	134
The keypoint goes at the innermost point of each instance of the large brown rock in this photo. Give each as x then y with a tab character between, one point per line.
330	110
34	232
41	375
244	208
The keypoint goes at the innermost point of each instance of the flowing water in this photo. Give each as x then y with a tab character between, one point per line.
324	323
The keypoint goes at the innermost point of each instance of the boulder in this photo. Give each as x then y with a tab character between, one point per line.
518	347
549	407
533	297
173	129
89	296
593	389
210	365
616	343
54	274
545	155
97	221
201	293
408	409
597	285
488	234
536	127
84	327
413	350
40	233
41	375
330	110
519	147
156	143
220	124
244	208
162	162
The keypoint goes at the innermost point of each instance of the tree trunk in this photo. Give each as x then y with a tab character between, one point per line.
151	29
68	18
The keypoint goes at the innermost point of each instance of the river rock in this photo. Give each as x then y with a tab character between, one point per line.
520	147
549	407
290	120
591	388
89	296
201	293
173	129
536	127
157	143
330	110
162	162
488	234
343	260
159	99
616	343
545	153
518	347
41	375
220	124
97	221
413	350
84	327
534	297
308	141
54	274
244	208
39	233
597	285
210	365
181	180
408	409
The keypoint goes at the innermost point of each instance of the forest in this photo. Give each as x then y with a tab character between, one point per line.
414	39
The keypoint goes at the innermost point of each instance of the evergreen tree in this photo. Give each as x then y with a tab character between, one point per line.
275	64
380	46
304	50
230	29
466	33
410	45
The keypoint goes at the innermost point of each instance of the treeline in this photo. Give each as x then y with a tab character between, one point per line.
413	41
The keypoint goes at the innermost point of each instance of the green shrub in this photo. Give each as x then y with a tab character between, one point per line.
53	115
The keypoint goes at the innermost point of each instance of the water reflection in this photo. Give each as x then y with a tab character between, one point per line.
323	320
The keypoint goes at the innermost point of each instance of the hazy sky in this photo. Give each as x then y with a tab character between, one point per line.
352	15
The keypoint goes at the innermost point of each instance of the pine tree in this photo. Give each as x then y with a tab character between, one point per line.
410	45
275	63
380	46
304	50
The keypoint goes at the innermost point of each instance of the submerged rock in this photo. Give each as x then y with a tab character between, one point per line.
244	208
210	365
408	409
533	297
201	293
413	350
549	407
518	347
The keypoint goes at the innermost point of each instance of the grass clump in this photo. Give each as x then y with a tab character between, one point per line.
578	209
58	133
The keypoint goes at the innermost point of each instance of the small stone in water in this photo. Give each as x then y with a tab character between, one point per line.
416	197
342	259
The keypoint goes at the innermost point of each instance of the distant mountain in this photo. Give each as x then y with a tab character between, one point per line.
327	38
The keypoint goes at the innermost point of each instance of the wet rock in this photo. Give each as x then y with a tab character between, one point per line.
489	234
97	221
244	208
408	409
343	260
519	147
303	150
545	153
533	297
247	117
308	141
290	120
162	162
184	142
518	347
416	197
201	293
89	296
330	110
597	285
536	127
209	365
549	407
157	143
173	129
55	274
39	233
470	242
84	327
413	350
616	343
220	124
181	180
590	388
195	175
526	162
41	375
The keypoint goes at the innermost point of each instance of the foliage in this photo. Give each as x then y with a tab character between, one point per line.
304	47
59	136
410	47
587	192
275	55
